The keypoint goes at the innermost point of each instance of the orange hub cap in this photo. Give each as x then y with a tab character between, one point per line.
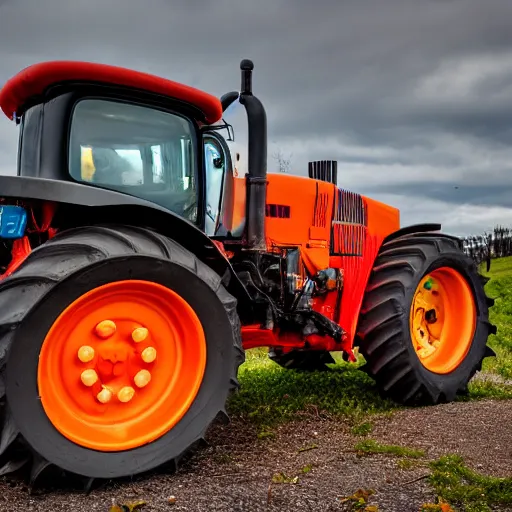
443	320
121	365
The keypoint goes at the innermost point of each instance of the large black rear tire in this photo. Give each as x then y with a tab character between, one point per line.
53	276
384	328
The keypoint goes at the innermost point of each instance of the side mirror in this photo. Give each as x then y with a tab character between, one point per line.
218	163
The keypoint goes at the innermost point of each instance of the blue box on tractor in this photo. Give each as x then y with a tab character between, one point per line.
13	221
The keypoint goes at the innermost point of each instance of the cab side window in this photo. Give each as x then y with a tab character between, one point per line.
215	171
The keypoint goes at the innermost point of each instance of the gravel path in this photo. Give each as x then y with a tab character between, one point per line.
235	472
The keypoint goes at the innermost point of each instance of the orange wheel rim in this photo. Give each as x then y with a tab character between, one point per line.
443	320
121	365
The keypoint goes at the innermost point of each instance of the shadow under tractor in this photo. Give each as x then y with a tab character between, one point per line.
137	267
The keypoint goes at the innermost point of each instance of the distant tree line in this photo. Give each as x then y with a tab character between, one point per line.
483	248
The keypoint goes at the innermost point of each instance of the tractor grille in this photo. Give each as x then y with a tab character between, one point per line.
320	210
348	225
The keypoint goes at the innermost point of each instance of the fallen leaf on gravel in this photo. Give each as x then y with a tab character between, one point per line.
127	507
360	498
371	508
281	478
436	507
360	493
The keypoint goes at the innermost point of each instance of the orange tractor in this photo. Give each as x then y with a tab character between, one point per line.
137	268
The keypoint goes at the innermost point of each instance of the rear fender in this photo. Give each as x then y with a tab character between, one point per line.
81	205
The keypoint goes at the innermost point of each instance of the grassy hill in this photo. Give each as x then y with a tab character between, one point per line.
500	289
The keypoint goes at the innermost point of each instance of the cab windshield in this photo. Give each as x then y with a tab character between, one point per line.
137	150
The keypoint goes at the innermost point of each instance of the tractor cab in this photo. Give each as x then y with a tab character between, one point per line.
151	154
137	150
132	133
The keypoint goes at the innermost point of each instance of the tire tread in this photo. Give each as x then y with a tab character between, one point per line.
395	272
49	264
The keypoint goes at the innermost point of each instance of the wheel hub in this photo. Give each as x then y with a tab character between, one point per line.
430	316
427	308
114	364
443	318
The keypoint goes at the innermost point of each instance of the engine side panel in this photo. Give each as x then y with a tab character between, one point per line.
299	213
336	231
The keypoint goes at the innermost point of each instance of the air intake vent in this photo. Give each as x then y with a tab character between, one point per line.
324	170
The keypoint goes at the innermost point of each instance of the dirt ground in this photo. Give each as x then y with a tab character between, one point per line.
234	473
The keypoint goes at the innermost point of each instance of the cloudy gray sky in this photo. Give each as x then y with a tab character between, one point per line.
413	98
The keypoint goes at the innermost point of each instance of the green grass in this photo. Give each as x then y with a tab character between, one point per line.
469	491
370	446
500	289
362	429
270	394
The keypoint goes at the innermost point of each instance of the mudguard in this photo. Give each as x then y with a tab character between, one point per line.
45	189
83	204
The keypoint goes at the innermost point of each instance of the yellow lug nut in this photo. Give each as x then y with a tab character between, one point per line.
139	334
148	355
126	394
85	353
89	377
104	396
142	378
105	329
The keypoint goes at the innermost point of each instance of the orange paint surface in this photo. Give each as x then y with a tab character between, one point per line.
235	205
383	219
310	220
34	80
442	320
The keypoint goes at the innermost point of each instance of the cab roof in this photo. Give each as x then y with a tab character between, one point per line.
33	81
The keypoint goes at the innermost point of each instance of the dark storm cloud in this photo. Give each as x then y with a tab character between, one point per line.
322	68
412	98
482	195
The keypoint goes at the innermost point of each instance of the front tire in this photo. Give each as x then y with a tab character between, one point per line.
55	275
405	371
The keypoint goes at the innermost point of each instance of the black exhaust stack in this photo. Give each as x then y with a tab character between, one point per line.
256	184
324	170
